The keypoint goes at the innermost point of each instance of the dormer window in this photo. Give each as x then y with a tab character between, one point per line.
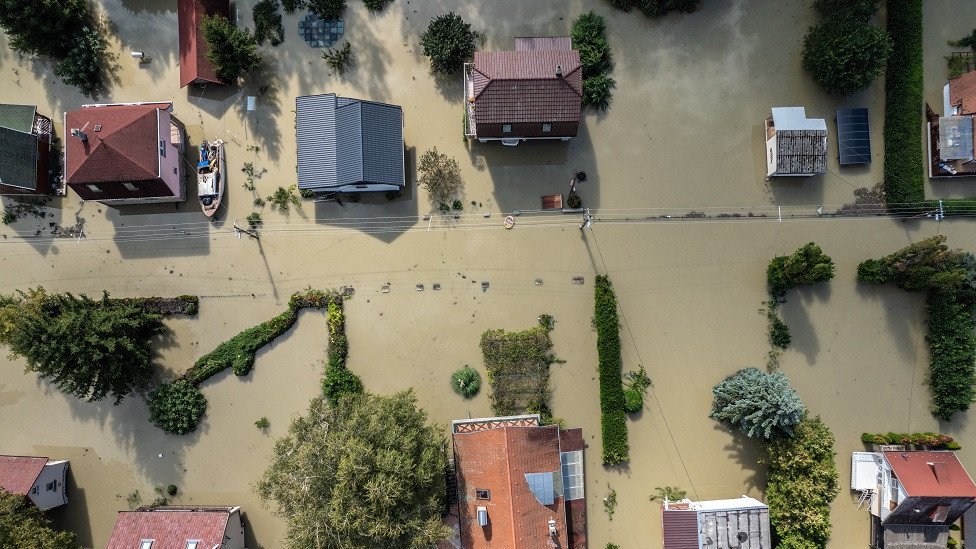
192	543
146	544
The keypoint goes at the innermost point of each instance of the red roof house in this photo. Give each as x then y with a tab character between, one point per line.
534	92
169	527
38	478
520	485
124	153
194	67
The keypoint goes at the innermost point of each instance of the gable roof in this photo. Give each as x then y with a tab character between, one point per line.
344	141
18	146
523	85
171	527
934	474
126	147
521	467
18	473
962	92
193	48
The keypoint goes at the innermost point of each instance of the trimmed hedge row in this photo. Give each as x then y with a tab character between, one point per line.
934	440
238	352
904	166
614	419
952	345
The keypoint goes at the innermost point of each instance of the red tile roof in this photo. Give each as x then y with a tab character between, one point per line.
193	48
930	474
522	86
18	473
126	147
962	91
497	460
170	527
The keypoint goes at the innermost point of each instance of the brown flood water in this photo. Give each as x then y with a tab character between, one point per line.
683	133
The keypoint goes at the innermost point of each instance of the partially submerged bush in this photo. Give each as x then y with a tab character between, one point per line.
807	265
466	382
448	42
176	407
904	165
339	59
845	56
589	36
633	401
327	9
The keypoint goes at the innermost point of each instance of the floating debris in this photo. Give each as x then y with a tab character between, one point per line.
577	280
437	285
348	290
420	287
538	282
484	286
385	289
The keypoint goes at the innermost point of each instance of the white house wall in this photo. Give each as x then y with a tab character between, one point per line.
54	475
169	165
771	155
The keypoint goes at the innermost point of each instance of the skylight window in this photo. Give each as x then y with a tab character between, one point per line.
146	544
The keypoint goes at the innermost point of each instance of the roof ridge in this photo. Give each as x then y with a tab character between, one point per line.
511	485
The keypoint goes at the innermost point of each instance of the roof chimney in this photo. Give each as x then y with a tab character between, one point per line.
552	527
559	70
75	132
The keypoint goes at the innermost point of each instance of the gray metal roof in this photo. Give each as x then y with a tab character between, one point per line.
853	136
347	144
956	137
17	117
18	158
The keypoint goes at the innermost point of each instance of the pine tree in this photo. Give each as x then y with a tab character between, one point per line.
759	404
233	51
39	27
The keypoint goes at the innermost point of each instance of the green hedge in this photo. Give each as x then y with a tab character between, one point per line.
611	379
238	352
904	165
338	380
952	345
934	440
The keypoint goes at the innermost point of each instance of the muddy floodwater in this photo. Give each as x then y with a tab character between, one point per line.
683	134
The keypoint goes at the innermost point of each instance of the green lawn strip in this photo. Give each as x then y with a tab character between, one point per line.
613	418
517	365
904	166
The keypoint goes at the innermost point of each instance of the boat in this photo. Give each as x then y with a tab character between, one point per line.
210	176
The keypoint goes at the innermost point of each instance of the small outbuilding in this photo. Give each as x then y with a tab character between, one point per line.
349	145
741	523
795	145
25	151
40	479
194	67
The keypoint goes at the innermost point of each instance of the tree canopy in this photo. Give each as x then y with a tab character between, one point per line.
807	265
657	8
859	10
39	27
24	526
448	42
232	50
846	56
86	348
328	9
759	404
365	473
440	175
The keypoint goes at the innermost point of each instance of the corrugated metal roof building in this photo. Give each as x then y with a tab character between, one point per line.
741	523
25	150
349	145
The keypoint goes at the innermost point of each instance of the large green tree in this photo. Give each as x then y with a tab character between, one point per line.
232	50
365	473
87	348
800	484
807	265
81	66
760	404
846	55
448	42
39	27
24	526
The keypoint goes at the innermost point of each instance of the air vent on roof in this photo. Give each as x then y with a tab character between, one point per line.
482	516
559	70
98	127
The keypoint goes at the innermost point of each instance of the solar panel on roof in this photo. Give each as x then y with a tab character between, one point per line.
541	486
853	136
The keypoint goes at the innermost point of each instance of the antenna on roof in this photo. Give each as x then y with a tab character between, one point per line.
75	132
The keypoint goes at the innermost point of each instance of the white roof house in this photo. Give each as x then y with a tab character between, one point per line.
795	145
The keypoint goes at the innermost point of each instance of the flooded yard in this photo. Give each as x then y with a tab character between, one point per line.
684	133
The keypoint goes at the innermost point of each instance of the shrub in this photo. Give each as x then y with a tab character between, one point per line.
339	346
448	42
82	66
656	8
267	22
466	382
845	56
670	493
872	271
779	333
262	423
171	489
176	407
904	168
858	10
598	92
614	420
547	322
339	59
327	9
283	197
633	401
589	34
339	381
801	481
759	404
574	201
807	265
233	51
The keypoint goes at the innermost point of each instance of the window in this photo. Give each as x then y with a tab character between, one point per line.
482	494
50	487
94	188
35	489
546	128
192	543
894	490
506	128
130	187
146	544
162	148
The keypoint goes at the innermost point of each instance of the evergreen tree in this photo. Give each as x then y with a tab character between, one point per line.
88	349
81	67
233	51
39	27
367	472
846	56
24	526
807	265
759	404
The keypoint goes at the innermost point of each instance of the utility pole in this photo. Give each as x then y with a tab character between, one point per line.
239	231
